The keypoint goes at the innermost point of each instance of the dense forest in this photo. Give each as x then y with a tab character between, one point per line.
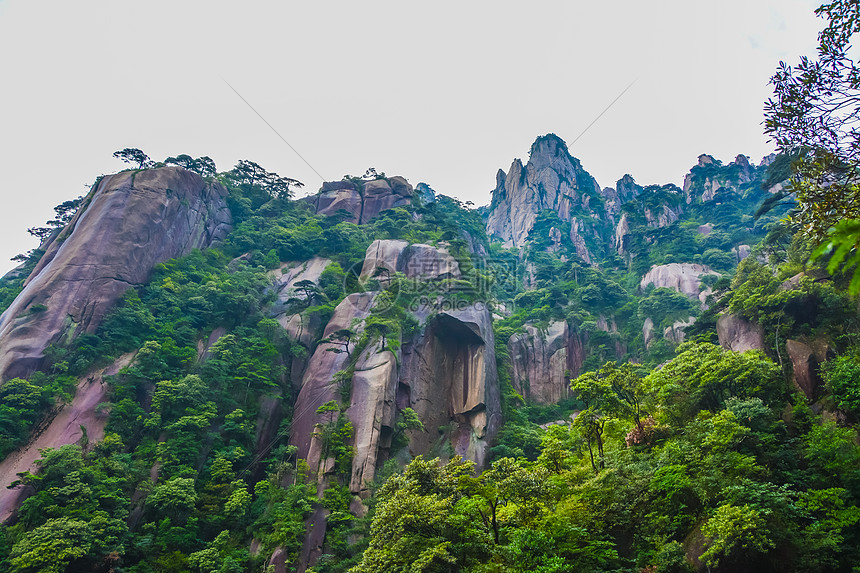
646	379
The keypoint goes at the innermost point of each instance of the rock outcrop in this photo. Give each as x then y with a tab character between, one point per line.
384	257
739	334
648	332
806	360
289	310
541	363
361	201
449	378
675	332
130	221
685	278
317	382
552	179
705	180
372	412
77	420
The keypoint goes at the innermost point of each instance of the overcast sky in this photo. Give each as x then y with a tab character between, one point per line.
441	92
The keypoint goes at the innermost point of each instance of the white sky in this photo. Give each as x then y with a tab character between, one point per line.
442	92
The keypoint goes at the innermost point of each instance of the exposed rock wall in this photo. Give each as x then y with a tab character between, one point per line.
66	427
363	202
540	361
417	261
685	278
699	185
449	378
675	332
317	387
806	360
372	412
552	179
131	221
739	334
302	327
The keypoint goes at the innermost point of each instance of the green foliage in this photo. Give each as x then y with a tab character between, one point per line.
842	376
735	532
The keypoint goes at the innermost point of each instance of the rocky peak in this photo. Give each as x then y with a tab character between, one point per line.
705	160
552	179
129	222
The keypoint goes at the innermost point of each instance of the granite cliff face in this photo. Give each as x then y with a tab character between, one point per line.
598	221
445	372
544	361
129	222
362	201
683	277
552	179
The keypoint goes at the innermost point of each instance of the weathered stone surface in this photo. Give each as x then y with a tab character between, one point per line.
741	252
425	194
739	334
806	360
130	222
648	332
675	332
291	273
338	196
415	261
302	327
705	188
621	231
552	179
317	387
67	427
682	277
449	378
539	362
382	254
372	412
427	262
362	205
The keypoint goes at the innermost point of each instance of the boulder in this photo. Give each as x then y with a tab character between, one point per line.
363	205
382	254
739	334
415	261
806	360
540	363
129	222
675	332
428	263
682	277
337	196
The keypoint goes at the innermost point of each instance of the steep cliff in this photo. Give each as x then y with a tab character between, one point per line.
552	179
130	222
362	201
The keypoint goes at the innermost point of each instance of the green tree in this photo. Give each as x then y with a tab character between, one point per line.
133	155
734	533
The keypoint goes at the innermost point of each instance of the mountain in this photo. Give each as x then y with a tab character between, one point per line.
203	374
